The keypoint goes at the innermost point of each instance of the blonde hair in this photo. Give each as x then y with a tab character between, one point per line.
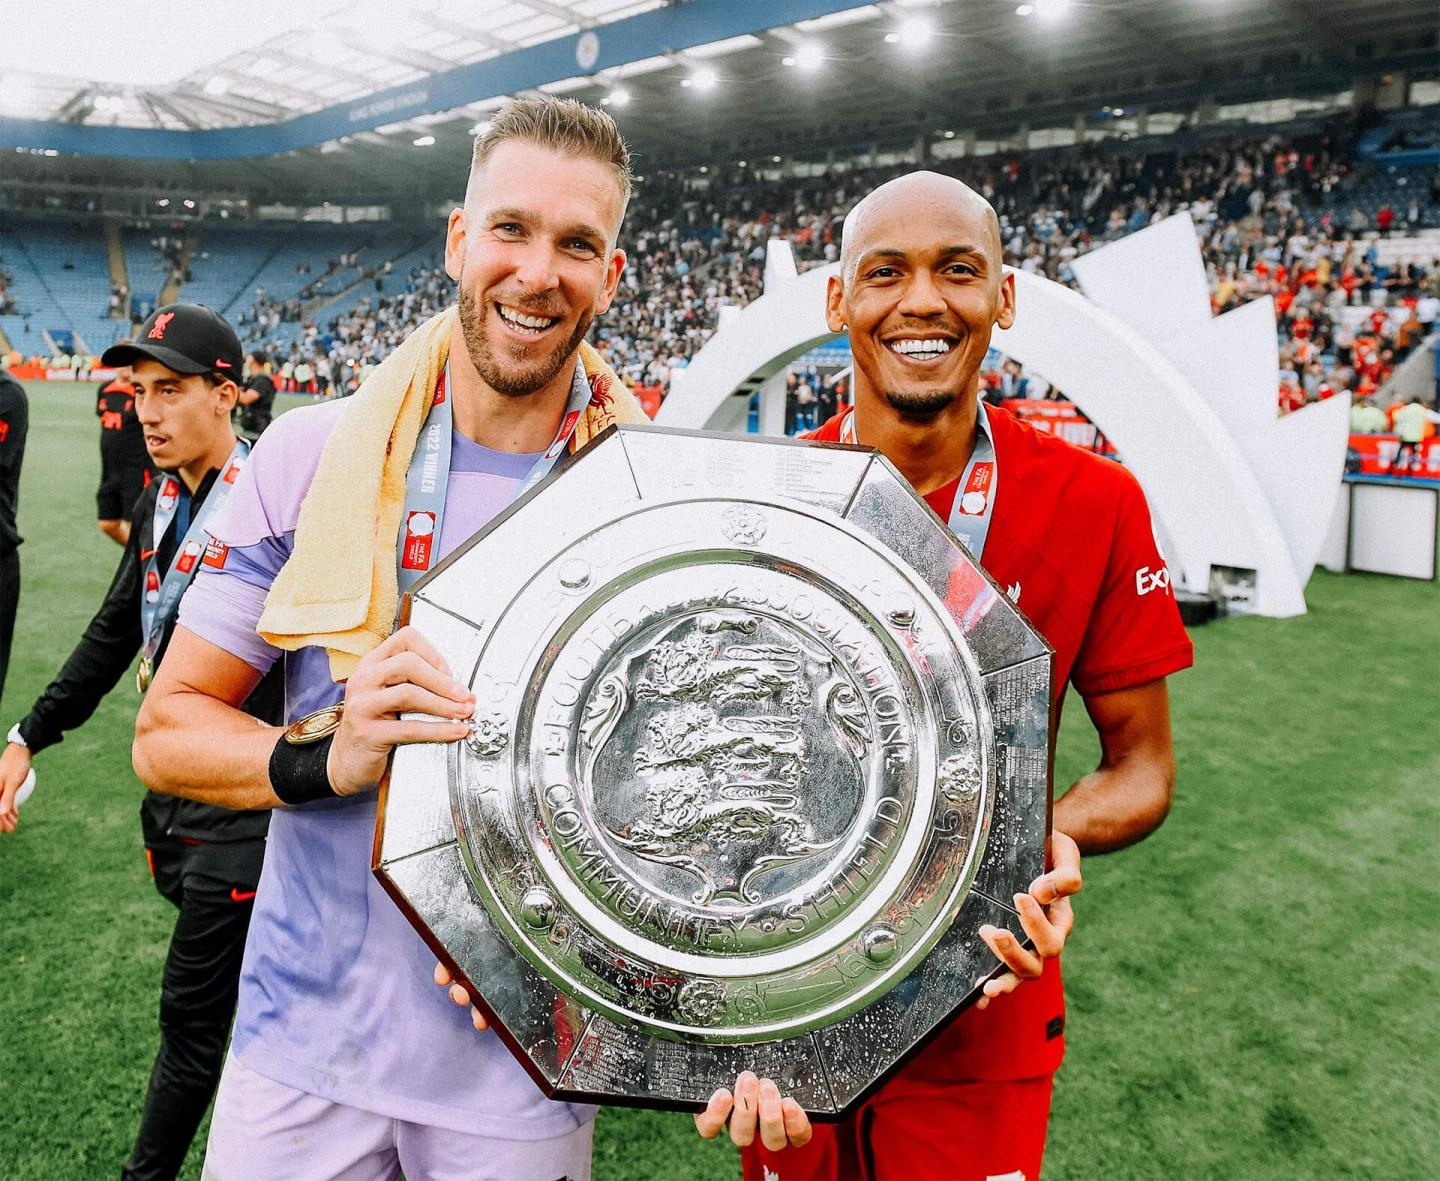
562	124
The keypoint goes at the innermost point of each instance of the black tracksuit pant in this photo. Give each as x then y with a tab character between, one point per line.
213	885
9	603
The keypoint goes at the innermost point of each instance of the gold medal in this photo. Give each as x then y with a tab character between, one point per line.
144	674
315	726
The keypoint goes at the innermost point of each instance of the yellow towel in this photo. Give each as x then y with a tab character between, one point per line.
339	588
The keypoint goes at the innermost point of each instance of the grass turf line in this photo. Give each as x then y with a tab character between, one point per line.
1252	994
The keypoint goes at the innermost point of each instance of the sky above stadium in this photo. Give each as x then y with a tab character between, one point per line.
148	45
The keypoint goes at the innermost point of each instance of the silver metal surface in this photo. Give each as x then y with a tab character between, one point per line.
756	742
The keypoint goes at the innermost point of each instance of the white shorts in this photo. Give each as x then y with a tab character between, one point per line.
263	1131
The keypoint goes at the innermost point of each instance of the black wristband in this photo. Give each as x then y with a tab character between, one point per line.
298	772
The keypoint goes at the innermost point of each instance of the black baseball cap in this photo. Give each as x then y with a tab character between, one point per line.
186	337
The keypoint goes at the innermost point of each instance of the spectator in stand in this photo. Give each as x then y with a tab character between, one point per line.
125	465
1267	210
1292	394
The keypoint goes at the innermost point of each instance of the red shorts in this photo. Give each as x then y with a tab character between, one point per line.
916	1131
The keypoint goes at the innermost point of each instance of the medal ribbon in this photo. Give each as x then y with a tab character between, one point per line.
159	598
974	504
428	476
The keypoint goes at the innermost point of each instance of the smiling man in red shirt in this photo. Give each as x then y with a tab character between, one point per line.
1069	536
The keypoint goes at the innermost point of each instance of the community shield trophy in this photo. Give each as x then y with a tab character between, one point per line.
758	748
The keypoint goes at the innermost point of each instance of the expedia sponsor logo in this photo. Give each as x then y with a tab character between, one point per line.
1147	580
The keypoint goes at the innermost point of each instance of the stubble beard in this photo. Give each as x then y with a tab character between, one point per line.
512	381
920	406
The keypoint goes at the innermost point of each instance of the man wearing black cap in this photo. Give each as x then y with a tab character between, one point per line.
205	860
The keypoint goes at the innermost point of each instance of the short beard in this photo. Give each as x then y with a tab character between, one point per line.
920	408
511	384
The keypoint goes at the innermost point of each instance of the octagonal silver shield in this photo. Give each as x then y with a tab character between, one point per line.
758	748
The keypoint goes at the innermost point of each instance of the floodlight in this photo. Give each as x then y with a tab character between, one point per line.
913	33
703	79
618	97
424	141
809	57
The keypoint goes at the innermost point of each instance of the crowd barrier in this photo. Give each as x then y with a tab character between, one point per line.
1063	419
1374	455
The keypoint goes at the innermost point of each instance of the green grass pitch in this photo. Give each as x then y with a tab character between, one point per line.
1254	991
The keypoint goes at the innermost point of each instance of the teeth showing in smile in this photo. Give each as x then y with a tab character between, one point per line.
921	350
521	320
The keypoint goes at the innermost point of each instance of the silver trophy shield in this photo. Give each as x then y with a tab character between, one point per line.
758	748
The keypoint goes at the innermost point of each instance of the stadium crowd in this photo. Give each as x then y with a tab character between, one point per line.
1275	216
1270	214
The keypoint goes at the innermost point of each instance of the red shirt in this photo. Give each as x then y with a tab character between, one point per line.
1077	554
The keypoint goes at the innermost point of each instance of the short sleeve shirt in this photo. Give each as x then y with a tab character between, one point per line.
336	995
1072	543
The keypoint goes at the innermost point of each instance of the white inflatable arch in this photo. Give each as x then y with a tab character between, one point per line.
1211	505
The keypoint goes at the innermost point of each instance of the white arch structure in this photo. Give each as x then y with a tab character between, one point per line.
1229	484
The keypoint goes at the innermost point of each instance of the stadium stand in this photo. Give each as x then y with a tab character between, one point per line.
1328	218
1277	211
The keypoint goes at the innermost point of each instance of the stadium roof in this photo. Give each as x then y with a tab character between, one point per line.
258	61
374	98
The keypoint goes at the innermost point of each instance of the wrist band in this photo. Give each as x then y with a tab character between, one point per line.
298	773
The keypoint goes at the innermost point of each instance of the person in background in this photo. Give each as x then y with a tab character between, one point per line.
204	860
14	425
1366	418
257	395
1414	424
125	467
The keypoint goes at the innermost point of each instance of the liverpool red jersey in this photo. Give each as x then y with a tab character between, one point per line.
1072	543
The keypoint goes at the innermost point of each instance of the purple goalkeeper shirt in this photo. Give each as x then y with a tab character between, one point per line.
336	993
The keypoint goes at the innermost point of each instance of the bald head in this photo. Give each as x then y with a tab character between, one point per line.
924	195
921	287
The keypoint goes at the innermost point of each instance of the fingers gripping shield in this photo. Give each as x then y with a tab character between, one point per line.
758	748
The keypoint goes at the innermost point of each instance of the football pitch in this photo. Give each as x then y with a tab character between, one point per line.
1254	992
